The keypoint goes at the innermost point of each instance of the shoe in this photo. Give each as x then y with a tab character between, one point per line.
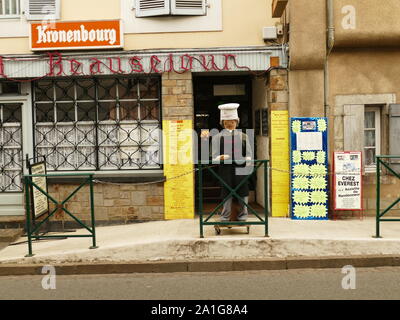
223	219
242	218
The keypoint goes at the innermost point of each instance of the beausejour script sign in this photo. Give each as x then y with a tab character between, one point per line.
56	64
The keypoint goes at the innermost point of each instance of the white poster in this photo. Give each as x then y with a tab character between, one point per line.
40	203
348	182
309	140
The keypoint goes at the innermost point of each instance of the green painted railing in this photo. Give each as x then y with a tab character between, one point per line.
33	229
383	162
232	193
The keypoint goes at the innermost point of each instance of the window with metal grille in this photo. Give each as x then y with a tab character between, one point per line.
10	8
10	147
104	124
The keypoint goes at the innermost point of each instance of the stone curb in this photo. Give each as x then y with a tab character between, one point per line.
205	266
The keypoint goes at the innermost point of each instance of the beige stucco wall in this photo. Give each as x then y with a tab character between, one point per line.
376	23
307	34
363	71
72	10
242	26
306	93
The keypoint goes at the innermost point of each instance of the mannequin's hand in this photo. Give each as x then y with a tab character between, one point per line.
223	157
204	134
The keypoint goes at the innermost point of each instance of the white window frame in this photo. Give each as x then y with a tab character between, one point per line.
378	134
11	16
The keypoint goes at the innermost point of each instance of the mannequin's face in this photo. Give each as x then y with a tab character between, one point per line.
230	124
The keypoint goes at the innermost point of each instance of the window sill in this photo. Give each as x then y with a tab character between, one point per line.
10	18
114	177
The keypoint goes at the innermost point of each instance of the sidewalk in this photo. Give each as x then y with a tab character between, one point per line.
179	240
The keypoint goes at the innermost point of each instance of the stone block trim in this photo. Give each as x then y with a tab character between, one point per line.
177	96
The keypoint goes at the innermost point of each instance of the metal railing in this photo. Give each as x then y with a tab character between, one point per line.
233	193
32	230
383	162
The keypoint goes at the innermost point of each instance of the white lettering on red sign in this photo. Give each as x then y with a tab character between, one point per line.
77	35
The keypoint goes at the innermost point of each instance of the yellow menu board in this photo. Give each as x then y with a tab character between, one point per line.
280	163
178	169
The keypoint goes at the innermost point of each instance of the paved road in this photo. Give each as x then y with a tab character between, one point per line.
371	283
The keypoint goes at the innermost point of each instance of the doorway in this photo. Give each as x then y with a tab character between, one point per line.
14	133
209	93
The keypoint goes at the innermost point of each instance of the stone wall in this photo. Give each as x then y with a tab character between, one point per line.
114	203
177	96
278	94
389	193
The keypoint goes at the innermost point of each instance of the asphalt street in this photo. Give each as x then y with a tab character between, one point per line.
370	283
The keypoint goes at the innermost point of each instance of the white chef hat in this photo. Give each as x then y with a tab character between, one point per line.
229	111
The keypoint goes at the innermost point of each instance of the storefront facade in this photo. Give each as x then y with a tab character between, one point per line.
95	109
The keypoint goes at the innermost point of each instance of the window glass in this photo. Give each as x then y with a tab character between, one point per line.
371	134
43	91
9	8
369	119
65	90
107	89
85	89
369	138
44	112
65	112
10	88
370	156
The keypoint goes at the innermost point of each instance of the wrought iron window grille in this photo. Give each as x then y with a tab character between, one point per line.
10	147
104	123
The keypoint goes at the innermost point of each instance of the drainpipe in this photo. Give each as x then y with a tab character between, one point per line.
330	44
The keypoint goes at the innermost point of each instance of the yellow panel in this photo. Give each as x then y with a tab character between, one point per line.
280	209
178	169
280	162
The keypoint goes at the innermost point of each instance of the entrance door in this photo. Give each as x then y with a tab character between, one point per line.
209	93
11	155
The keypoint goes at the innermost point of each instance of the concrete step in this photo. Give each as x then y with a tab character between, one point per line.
10	235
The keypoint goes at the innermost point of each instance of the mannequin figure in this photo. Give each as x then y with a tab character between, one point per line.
231	148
